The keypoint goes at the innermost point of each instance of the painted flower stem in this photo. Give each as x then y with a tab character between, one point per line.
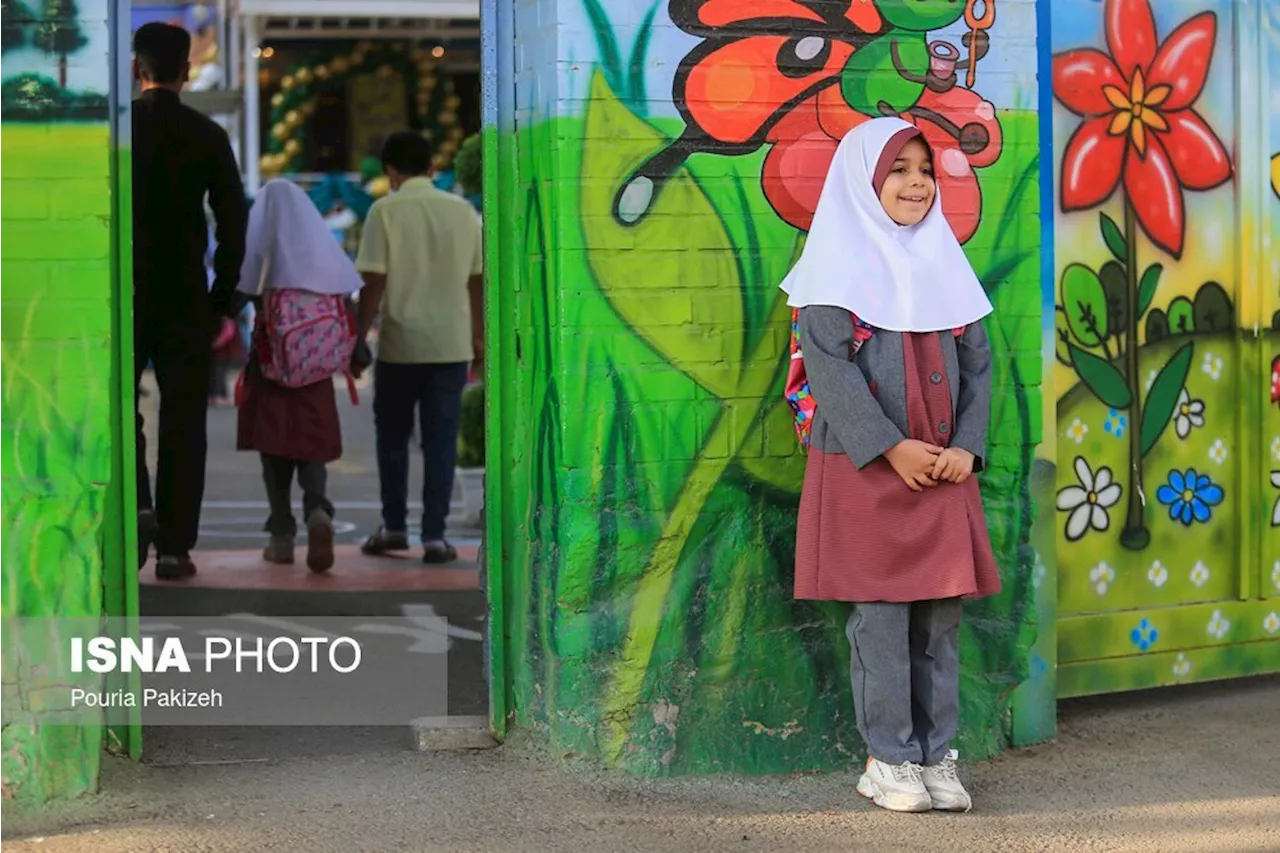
1135	535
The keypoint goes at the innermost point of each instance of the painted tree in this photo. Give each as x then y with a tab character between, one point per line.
15	17
59	33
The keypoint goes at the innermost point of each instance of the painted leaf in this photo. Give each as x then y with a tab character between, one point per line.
776	433
1085	302
1102	378
671	276
1115	240
1163	396
1147	287
1062	337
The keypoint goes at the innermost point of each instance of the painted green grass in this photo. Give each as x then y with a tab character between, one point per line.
651	606
55	416
1096	574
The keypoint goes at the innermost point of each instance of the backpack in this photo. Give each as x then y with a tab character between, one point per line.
304	338
796	390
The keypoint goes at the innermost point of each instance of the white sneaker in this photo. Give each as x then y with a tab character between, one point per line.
944	786
898	788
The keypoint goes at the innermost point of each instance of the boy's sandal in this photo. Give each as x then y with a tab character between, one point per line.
447	554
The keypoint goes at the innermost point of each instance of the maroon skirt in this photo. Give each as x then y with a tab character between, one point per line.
294	423
866	536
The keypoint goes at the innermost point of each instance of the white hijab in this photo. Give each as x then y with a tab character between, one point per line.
912	278
288	245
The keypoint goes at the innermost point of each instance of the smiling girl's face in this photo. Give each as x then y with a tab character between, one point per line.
909	189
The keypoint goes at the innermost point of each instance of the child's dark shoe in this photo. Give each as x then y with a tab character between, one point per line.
319	541
279	550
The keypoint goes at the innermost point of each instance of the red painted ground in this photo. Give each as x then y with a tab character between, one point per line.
351	572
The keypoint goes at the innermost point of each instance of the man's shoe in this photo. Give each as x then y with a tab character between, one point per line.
438	552
319	541
944	786
170	568
279	550
384	541
896	787
147	529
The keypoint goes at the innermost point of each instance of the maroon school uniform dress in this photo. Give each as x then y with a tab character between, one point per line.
294	423
864	536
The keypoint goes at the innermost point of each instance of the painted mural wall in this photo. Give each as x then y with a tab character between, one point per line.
1166	341
56	356
657	166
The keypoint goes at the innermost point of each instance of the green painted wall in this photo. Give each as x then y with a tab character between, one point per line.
650	469
56	358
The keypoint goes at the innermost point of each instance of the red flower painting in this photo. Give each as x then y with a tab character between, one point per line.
772	74
1139	123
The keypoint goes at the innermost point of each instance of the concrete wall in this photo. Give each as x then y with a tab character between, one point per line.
655	170
56	355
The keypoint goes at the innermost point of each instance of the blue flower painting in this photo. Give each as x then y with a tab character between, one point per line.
1189	496
1144	636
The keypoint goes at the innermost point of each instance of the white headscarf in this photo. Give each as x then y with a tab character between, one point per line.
288	245
912	278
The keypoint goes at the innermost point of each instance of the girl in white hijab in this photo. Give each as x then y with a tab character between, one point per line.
888	316
296	431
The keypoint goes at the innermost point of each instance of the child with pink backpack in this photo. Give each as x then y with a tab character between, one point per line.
302	282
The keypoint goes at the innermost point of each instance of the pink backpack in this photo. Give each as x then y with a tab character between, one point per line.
304	338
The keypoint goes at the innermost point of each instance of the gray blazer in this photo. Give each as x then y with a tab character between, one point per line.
850	419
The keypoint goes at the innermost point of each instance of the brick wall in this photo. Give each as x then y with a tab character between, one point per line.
56	359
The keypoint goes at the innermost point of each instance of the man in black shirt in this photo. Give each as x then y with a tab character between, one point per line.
179	156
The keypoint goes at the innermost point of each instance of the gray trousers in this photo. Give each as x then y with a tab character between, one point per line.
904	666
277	474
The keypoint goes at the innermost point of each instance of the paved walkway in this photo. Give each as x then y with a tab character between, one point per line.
1183	770
233	580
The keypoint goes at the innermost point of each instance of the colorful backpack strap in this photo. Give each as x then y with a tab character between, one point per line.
797	392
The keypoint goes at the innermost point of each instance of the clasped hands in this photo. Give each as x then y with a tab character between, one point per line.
922	465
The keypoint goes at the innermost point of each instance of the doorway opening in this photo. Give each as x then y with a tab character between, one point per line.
309	100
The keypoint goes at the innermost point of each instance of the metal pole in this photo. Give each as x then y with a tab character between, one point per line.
230	30
252	143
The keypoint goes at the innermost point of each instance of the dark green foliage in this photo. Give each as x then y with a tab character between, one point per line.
1212	309
1157	326
468	169
34	97
1115	284
15	17
59	30
471	429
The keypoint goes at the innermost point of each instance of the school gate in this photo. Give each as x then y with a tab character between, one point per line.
650	173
